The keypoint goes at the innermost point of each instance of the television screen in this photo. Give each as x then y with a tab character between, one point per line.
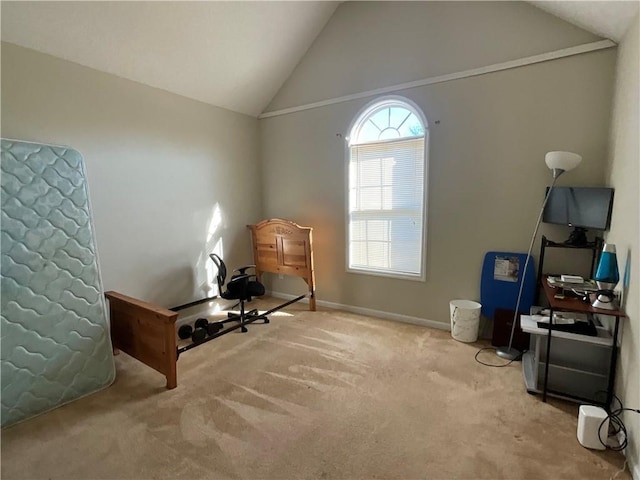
585	207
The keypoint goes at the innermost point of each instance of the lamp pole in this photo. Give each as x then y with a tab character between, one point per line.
558	162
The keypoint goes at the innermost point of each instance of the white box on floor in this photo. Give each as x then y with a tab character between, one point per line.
593	426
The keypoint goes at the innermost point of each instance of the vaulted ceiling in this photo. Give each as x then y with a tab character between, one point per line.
235	55
607	19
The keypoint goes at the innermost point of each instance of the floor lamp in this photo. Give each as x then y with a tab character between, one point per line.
558	162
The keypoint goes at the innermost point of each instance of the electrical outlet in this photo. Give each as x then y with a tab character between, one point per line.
280	276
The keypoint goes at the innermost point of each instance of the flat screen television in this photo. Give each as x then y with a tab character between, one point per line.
580	207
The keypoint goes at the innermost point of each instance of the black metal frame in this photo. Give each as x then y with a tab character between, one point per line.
595	247
245	318
193	304
614	348
612	366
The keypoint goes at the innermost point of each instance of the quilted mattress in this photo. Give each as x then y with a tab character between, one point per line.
55	344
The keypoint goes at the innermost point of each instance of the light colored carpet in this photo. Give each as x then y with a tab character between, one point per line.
326	395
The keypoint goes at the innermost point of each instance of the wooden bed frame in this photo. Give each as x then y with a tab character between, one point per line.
286	248
147	332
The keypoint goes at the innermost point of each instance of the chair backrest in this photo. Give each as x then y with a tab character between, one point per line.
240	286
222	270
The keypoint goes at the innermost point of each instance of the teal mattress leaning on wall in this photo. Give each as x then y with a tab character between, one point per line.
55	344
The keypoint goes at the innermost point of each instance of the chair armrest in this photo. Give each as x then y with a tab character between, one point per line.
243	269
237	278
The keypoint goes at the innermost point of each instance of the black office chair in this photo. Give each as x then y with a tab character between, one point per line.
241	286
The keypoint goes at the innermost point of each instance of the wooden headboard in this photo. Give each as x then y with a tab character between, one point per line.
284	247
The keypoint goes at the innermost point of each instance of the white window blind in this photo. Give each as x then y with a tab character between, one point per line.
386	206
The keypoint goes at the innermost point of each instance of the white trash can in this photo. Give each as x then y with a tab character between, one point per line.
465	320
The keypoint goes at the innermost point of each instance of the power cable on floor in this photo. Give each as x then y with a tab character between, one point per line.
616	428
493	364
624	467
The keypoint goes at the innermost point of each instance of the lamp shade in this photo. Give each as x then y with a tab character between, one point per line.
562	160
606	278
607	271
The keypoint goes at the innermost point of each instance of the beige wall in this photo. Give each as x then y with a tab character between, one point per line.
624	176
158	166
487	176
368	45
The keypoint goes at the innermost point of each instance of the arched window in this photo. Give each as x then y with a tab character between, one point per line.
386	190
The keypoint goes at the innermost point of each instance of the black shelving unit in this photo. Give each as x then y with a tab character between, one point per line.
595	246
571	371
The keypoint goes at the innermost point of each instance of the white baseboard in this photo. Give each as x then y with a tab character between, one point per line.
370	312
635	471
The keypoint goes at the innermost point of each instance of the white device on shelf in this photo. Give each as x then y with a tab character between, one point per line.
571	279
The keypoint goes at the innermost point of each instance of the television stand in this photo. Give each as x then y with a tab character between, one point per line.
577	238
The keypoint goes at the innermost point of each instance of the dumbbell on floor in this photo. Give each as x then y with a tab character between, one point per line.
202	329
185	332
211	327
